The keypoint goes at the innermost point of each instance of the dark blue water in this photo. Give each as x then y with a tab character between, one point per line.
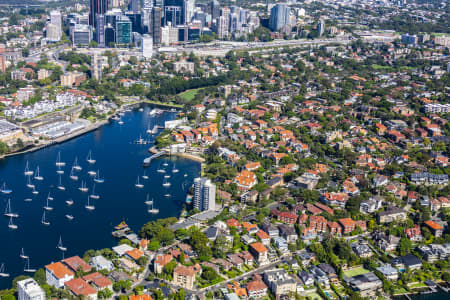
441	295
119	161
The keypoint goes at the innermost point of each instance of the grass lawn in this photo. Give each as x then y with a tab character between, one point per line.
417	285
400	291
355	272
189	94
314	296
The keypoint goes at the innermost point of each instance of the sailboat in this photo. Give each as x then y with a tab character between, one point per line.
174	169
69	217
37	176
160	169
148	202
83	187
11	225
8	212
44	220
59	163
60	186
27	268
89	158
29	184
149	131
153	210
49	197
165	164
27	171
168	195
144	176
139	185
22	254
76	166
27	200
166	183
48	207
93	195
5	190
34	191
69	202
3	271
89	206
92	173
97	178
185	175
59	170
72	174
167	176
60	245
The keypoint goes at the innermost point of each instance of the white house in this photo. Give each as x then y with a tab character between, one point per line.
101	263
29	289
57	274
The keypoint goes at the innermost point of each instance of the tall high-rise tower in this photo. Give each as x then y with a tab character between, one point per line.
204	194
279	16
97	7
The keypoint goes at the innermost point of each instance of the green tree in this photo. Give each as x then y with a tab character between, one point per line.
3	148
405	246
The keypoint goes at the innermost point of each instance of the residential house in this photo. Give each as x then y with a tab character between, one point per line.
57	274
347	224
371	205
80	288
362	250
308	279
281	244
366	284
256	289
259	251
414	233
270	229
99	281
320	276
75	263
288	233
385	242
184	277
160	261
279	282
264	237
435	228
392	214
409	261
101	263
388	272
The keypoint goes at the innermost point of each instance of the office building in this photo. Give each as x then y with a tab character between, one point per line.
279	17
100	31
134	6
156	25
215	9
409	39
81	35
123	30
147	46
29	289
97	7
174	12
204	194
222	26
189	8
110	36
54	31
321	27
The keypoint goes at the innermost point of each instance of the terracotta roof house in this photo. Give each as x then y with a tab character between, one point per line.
57	274
75	263
78	287
99	281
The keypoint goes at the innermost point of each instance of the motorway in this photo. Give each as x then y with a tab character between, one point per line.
216	48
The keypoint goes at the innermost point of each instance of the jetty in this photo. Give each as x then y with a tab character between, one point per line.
149	159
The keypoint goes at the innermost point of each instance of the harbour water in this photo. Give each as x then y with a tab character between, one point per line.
441	295
119	161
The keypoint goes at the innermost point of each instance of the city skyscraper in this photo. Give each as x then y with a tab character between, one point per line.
97	7
54	31
279	16
156	25
134	6
204	194
189	8
123	30
321	27
100	31
174	12
215	9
